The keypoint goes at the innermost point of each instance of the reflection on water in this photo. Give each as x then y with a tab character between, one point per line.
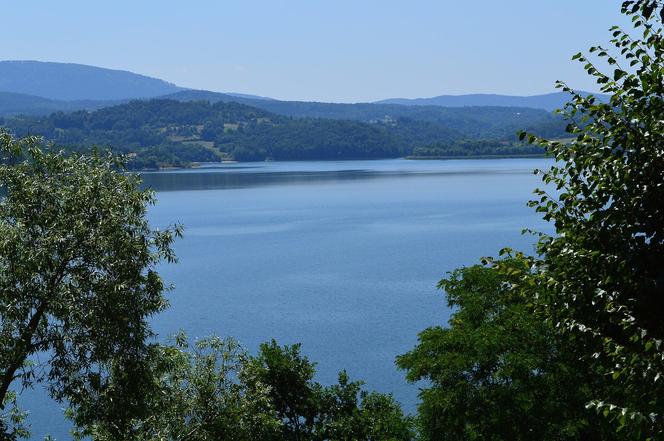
229	176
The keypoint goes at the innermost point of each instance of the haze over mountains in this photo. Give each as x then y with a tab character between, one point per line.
70	82
549	101
162	125
39	88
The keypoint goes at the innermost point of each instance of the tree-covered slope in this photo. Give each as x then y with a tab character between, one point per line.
490	122
499	120
162	133
167	132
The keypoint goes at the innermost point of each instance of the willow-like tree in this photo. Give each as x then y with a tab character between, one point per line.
214	390
77	280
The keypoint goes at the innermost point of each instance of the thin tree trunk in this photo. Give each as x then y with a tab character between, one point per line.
24	344
22	350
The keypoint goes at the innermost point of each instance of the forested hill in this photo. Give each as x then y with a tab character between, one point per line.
167	133
501	121
162	133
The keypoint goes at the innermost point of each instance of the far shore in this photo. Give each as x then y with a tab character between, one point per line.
428	158
532	155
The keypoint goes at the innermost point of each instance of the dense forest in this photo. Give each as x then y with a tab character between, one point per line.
160	133
479	147
461	118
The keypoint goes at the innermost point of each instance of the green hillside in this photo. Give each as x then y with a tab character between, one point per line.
161	133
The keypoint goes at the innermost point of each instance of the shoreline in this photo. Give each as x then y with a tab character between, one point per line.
194	165
525	155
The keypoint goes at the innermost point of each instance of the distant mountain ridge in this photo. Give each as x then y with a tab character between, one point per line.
72	86
548	101
72	82
21	104
39	88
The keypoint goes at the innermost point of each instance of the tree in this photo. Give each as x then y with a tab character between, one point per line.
289	376
201	392
498	371
77	279
213	390
601	275
311	411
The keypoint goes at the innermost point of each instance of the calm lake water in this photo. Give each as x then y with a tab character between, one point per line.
342	257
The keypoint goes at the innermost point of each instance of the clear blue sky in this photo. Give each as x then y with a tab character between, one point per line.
325	50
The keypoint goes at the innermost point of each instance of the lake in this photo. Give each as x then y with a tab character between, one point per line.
342	257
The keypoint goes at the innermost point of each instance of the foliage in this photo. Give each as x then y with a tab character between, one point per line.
498	371
214	390
311	411
12	419
289	377
603	269
162	133
77	279
471	121
645	8
199	393
480	147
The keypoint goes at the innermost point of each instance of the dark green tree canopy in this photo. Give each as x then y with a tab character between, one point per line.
311	411
499	371
213	390
602	274
198	392
646	8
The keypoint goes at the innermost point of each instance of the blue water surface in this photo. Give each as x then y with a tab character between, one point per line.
342	257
